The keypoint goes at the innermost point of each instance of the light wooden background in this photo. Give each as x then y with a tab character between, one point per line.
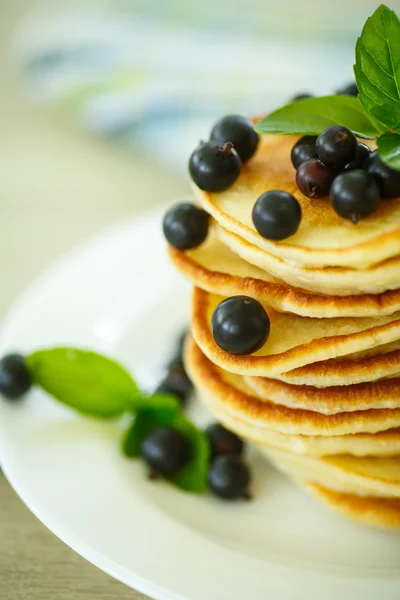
56	189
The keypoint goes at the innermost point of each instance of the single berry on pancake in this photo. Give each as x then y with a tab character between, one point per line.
229	478
354	194
165	450
240	132
314	179
361	155
336	146
240	325
214	167
223	441
276	215
185	226
303	150
388	179
15	379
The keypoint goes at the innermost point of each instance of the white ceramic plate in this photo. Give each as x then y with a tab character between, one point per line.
119	295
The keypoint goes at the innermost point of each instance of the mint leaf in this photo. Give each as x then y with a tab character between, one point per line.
86	381
162	404
312	115
377	67
155	411
193	477
145	421
389	149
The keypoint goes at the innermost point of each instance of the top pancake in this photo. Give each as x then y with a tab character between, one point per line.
323	238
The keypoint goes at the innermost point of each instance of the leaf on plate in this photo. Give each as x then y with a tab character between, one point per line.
159	410
162	404
83	380
377	67
193	477
389	149
145	421
312	115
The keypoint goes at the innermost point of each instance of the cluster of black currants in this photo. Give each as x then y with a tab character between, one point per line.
336	164
167	451
215	165
176	381
228	476
350	89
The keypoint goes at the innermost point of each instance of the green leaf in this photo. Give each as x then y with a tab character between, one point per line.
389	149
193	477
162	404
152	412
312	115
377	67
145	421
86	381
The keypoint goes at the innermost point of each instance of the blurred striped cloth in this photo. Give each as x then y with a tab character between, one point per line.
158	78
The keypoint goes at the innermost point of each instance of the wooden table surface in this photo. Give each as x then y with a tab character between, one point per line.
35	565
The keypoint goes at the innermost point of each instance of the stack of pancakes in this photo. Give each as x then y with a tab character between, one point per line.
321	399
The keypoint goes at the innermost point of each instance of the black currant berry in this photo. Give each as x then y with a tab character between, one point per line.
388	179
314	179
185	226
223	441
354	194
240	325
303	150
301	96
15	379
240	132
229	478
214	167
165	450
177	383
276	215
336	146
362	153
348	90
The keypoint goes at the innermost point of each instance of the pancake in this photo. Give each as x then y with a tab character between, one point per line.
231	394
340	281
384	443
345	371
214	267
365	476
323	238
375	512
329	400
293	341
